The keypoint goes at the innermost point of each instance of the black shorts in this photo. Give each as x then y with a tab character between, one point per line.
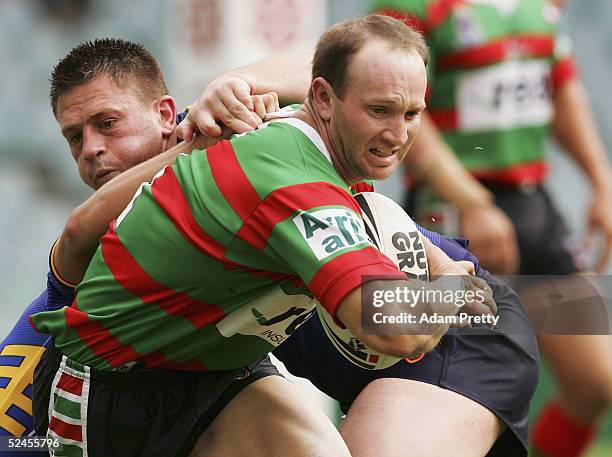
498	369
139	413
544	241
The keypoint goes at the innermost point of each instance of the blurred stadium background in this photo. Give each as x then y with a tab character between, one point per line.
194	40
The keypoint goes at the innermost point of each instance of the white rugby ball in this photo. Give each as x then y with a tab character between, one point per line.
395	234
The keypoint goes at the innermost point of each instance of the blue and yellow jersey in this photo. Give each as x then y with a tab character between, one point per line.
20	353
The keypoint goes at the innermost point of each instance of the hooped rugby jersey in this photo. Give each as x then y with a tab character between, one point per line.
188	275
494	67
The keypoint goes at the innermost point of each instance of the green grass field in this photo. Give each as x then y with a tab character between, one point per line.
603	446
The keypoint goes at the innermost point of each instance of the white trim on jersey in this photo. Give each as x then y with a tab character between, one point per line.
285	116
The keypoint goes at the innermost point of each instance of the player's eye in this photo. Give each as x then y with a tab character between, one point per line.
378	110
75	138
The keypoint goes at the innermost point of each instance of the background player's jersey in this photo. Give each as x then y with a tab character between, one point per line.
494	66
174	280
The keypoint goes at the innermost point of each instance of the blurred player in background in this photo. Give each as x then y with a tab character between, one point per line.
501	79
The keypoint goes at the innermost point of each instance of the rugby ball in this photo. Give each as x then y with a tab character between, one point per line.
395	234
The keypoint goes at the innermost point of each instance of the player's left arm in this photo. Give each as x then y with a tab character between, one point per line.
77	244
575	129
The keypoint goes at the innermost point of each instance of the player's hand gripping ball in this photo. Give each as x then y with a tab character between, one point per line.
394	234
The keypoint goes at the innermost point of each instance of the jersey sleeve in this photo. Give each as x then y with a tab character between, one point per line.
58	293
316	232
57	296
564	67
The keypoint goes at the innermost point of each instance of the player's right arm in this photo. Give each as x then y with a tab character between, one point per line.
419	337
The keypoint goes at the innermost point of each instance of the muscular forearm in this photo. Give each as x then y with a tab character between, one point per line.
416	337
432	161
574	128
88	222
288	75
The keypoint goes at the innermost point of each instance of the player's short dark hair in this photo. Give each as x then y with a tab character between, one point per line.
342	41
124	62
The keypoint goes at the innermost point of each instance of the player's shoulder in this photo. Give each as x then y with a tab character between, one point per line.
285	151
279	127
270	138
282	145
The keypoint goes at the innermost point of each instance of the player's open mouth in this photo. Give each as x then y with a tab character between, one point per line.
381	152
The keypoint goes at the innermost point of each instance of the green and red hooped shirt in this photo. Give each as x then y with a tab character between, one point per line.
217	261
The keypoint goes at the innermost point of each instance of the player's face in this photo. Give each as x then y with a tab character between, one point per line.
377	120
109	129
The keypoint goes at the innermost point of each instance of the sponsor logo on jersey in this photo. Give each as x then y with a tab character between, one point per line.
290	319
328	231
272	317
508	95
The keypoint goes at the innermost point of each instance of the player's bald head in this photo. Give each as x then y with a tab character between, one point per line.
342	41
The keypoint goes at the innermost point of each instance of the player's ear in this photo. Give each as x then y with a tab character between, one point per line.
322	97
165	108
